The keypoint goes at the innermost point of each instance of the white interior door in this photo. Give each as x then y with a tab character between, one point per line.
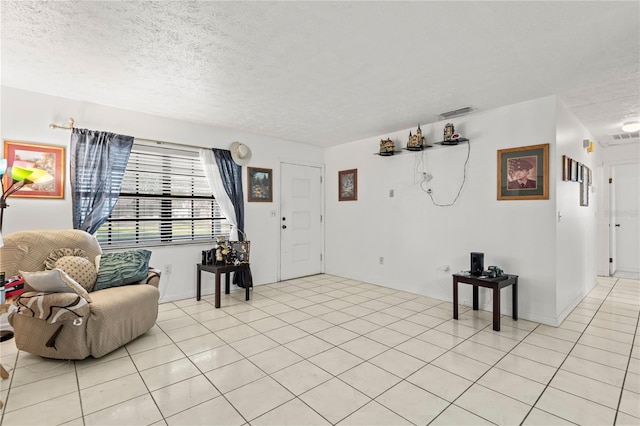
300	221
612	222
627	223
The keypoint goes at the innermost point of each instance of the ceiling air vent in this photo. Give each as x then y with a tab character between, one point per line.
623	138
456	112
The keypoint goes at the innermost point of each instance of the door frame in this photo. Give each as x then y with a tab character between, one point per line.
322	209
605	222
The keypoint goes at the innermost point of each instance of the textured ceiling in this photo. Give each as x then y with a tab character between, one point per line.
327	73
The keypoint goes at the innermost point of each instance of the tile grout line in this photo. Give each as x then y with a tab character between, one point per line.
563	361
302	287
481	376
409	338
624	380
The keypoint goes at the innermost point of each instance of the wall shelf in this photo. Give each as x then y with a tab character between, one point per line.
397	151
452	142
426	146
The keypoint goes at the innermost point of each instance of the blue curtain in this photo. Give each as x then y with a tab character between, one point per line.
231	174
98	162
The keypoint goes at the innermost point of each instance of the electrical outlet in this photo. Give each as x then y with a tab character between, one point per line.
167	269
391	193
381	260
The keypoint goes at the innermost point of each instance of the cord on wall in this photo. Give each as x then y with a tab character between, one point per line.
426	177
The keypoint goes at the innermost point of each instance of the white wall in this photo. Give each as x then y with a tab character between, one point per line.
25	116
417	239
576	248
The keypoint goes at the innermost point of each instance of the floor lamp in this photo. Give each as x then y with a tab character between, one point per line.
22	173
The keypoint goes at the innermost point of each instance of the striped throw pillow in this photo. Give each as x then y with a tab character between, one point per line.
121	268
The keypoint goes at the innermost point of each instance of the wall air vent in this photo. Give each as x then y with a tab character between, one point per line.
456	112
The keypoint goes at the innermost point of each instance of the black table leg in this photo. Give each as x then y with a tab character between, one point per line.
217	304
514	300
227	287
199	283
475	297
496	307
247	282
455	298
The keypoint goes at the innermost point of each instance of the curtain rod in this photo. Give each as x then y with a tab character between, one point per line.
171	143
70	126
58	126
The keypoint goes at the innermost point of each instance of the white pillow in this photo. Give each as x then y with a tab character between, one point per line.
54	281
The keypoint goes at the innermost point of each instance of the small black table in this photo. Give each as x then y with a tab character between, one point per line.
224	269
496	284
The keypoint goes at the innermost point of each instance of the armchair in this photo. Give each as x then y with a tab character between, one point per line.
73	325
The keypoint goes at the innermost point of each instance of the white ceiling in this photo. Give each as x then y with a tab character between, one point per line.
327	73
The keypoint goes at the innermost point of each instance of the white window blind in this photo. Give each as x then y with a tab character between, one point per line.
165	199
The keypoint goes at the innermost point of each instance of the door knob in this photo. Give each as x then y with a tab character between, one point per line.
284	226
617	225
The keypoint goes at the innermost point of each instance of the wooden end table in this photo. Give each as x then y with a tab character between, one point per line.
224	269
495	284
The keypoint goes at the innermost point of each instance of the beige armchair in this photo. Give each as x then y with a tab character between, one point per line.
66	325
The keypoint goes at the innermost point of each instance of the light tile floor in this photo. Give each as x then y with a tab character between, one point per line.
327	350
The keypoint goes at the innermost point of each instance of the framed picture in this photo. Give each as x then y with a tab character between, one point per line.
48	159
580	172
574	171
241	250
566	168
348	185
260	183
523	173
584	193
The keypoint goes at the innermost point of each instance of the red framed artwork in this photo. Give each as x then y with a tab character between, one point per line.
36	156
348	185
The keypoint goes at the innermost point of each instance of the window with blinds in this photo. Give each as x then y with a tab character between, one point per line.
165	199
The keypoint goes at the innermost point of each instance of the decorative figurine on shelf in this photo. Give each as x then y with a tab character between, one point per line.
222	250
448	132
416	142
387	147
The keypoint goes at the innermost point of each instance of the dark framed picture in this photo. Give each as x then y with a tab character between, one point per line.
566	168
348	185
580	172
523	173
574	171
241	250
260	182
584	193
42	165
